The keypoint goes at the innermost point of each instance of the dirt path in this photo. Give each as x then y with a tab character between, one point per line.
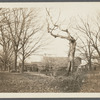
92	82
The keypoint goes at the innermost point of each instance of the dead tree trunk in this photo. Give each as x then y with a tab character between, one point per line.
71	54
5	65
22	67
23	60
15	62
72	48
90	56
72	41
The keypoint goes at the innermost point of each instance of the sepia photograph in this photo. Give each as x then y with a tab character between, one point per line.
50	47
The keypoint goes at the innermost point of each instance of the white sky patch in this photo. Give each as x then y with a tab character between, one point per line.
69	13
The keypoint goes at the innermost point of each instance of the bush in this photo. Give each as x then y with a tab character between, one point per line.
60	71
71	83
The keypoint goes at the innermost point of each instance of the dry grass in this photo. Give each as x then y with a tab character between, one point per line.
92	83
30	82
35	82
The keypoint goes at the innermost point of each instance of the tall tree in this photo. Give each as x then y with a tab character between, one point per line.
85	49
92	31
7	49
18	21
5	43
72	41
31	44
32	36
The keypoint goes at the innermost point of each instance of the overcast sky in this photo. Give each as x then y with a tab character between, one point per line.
69	12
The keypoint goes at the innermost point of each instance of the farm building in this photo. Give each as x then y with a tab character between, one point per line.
50	64
59	61
58	65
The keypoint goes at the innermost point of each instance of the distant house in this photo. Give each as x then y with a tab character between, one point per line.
50	63
60	61
55	62
58	65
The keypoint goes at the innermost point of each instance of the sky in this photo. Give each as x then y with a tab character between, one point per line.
70	11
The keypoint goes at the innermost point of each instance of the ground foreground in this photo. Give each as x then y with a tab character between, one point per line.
33	82
92	82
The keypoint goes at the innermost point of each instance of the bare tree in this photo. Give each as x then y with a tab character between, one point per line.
86	50
72	41
5	43
92	31
18	22
32	36
7	49
31	44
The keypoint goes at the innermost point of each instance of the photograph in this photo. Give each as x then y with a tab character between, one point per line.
50	47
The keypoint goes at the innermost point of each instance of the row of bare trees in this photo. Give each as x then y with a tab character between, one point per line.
18	38
21	35
89	47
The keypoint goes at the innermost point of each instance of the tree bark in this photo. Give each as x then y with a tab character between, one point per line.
23	60
90	67
22	67
5	66
15	61
8	68
72	41
90	55
5	58
72	47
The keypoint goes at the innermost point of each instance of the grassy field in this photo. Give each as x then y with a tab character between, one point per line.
92	82
34	82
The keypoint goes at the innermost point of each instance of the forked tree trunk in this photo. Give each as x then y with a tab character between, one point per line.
72	48
72	41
